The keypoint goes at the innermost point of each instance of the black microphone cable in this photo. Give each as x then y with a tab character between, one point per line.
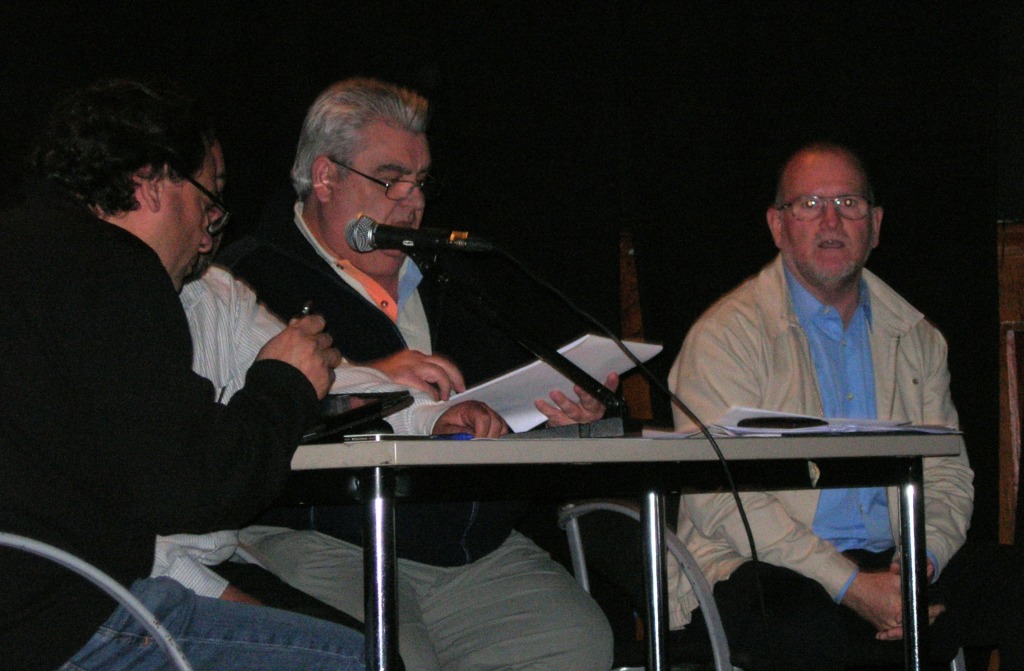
676	401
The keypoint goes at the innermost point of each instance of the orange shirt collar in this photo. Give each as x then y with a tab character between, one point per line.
378	294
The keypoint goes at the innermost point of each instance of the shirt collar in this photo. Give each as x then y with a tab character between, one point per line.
808	308
409	275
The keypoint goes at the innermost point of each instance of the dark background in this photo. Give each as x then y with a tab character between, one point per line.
559	124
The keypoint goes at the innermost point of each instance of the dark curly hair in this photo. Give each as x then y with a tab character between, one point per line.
99	137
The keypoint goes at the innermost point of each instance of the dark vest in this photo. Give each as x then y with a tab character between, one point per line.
285	271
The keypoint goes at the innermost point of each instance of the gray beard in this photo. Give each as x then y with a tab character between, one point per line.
833	281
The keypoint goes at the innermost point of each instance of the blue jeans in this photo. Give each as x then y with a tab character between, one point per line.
217	634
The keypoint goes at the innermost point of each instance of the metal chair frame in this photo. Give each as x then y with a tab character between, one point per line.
568	519
113	588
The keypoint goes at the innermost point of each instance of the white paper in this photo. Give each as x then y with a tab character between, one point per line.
512	394
730	423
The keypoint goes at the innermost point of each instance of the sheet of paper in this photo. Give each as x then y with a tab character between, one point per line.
512	394
730	423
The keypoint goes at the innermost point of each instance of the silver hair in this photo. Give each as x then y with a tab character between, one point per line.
334	123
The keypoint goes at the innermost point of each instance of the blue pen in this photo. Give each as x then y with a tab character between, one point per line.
452	436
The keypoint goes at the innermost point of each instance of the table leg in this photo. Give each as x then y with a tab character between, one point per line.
652	519
377	491
913	569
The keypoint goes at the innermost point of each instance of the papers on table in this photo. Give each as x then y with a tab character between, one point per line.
512	394
741	421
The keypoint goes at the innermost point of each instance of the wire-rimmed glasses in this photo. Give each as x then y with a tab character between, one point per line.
398	189
811	207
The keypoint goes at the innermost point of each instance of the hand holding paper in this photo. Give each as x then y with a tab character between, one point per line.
512	395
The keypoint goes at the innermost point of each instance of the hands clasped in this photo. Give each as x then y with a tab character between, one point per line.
877	598
304	344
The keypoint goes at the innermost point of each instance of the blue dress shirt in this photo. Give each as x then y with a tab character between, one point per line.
848	518
408	283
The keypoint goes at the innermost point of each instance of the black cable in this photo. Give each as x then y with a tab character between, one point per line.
675	401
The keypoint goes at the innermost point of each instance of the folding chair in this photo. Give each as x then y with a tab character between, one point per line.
108	585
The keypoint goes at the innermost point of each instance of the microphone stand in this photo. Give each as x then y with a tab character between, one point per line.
614	405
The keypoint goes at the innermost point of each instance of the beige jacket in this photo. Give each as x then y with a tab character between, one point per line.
748	350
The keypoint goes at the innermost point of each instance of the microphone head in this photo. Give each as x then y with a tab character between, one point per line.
359	234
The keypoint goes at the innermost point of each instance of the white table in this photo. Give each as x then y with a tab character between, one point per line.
378	472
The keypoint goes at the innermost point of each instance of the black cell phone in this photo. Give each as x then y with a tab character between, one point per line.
341	413
776	422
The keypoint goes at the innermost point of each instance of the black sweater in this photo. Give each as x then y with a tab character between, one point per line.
107	437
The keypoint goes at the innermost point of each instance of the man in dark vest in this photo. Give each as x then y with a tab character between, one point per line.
473	593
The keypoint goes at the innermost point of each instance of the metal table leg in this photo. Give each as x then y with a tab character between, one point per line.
377	491
652	520
913	570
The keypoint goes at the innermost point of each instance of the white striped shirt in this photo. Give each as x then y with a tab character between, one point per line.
229	327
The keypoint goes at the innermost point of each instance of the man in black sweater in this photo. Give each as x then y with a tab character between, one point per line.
107	438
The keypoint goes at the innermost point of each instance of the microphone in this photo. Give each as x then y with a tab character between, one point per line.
365	235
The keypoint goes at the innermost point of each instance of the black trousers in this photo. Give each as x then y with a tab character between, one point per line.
801	627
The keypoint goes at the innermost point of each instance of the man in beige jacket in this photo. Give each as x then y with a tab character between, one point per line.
816	333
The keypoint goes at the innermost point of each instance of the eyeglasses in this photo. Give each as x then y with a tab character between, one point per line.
810	208
399	189
217	223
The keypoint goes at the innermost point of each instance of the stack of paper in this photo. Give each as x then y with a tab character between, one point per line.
512	394
740	421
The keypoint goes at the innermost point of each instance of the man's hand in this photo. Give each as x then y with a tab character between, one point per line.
471	417
232	593
304	344
876	597
934	610
566	411
433	374
896	633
